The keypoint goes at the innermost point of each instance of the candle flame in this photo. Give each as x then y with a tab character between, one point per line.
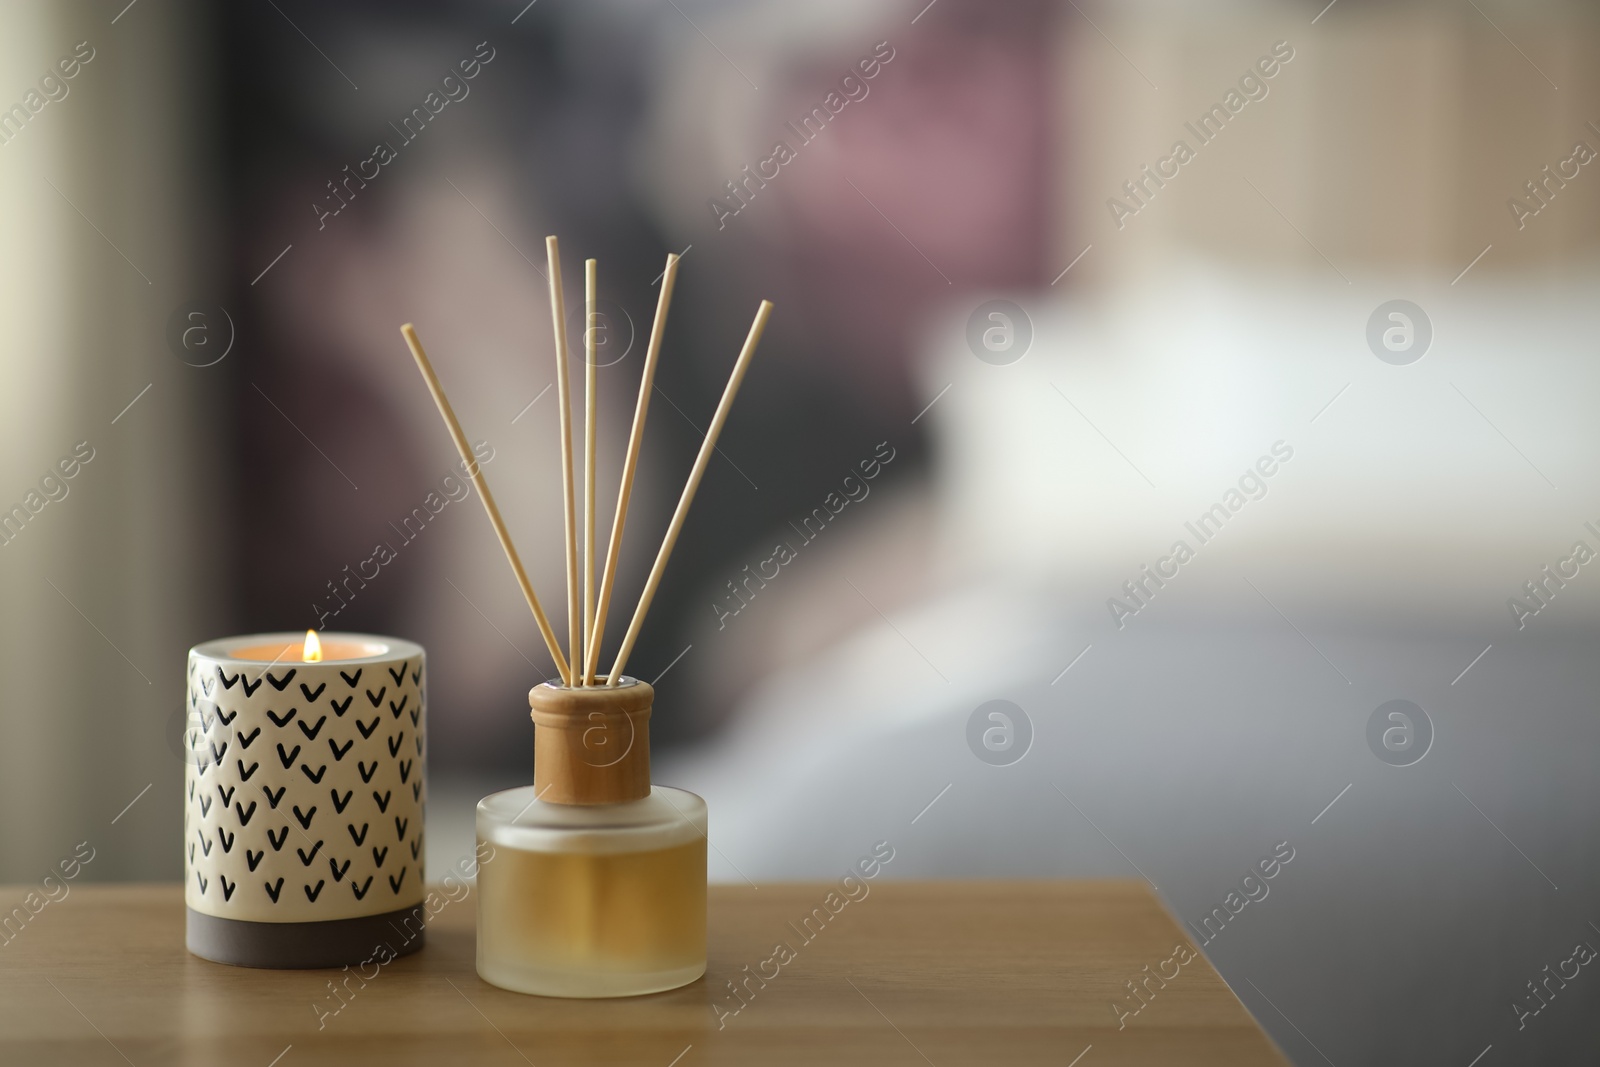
312	653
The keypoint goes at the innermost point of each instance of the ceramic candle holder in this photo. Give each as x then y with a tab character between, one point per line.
303	801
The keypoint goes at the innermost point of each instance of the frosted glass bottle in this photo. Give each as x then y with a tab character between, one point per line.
591	881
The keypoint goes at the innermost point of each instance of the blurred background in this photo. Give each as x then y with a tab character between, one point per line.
1025	345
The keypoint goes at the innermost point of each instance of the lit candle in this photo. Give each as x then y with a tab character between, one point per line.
304	797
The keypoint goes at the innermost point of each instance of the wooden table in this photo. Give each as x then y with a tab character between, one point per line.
941	973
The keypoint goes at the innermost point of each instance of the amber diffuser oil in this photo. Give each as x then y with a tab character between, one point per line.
596	883
592	884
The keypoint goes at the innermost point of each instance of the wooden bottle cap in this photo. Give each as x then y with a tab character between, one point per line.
591	744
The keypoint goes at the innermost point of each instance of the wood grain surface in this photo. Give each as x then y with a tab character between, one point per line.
942	973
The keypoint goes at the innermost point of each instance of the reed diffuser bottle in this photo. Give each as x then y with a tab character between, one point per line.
593	881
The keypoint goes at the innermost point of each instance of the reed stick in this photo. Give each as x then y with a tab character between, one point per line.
474	471
630	466
564	397
590	357
739	368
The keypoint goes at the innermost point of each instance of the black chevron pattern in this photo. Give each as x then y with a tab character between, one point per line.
384	780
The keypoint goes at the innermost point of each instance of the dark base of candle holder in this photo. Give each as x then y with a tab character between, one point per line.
305	946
